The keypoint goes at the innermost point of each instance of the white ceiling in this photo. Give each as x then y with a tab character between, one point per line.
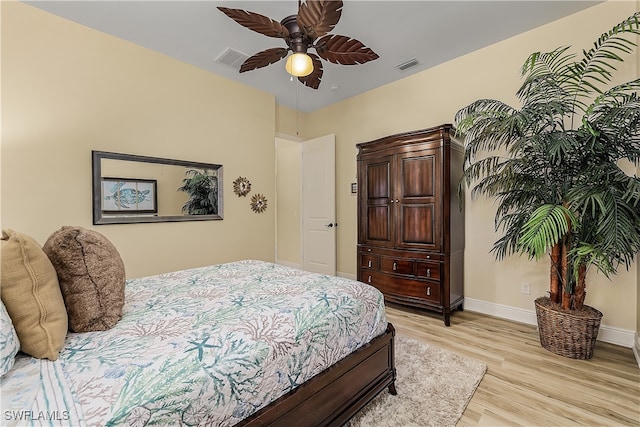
431	31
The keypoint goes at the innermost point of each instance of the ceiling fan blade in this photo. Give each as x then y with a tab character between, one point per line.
344	50
256	22
264	58
313	79
316	18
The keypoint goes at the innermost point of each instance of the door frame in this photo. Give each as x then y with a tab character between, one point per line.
298	140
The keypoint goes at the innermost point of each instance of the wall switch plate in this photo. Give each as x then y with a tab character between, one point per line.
525	288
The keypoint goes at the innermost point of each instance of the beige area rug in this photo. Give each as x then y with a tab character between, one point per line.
434	387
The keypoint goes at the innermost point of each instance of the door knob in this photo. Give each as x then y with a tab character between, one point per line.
332	224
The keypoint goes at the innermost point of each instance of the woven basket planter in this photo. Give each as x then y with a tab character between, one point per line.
567	333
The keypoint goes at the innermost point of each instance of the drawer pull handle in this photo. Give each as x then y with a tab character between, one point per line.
369	281
428	272
395	266
369	263
428	290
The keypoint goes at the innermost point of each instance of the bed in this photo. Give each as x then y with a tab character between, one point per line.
240	343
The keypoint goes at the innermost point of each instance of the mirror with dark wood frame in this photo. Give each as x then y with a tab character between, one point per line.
128	188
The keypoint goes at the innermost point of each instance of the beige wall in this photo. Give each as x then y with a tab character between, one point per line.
431	98
290	123
68	89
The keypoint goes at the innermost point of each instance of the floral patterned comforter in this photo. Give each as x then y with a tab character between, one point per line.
206	346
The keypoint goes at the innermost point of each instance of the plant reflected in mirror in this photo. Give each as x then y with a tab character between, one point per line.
202	187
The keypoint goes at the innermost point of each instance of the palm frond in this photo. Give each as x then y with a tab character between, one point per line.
611	211
539	63
596	67
483	125
591	255
510	224
615	115
546	226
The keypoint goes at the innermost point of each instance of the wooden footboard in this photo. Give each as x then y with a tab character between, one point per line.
332	397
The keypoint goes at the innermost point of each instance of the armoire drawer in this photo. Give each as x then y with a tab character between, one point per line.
397	265
369	261
429	270
400	286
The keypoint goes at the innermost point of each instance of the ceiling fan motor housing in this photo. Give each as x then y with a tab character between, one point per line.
297	42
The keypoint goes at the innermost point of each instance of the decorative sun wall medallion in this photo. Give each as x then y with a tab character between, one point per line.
241	186
258	203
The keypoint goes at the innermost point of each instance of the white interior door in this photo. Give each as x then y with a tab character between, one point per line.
319	205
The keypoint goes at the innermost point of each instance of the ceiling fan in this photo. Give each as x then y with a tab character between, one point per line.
308	29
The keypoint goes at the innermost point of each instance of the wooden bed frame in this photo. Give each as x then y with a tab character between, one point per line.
335	395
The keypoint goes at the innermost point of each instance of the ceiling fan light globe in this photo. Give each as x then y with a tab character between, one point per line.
299	65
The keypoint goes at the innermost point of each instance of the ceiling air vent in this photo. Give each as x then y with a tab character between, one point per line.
408	64
232	58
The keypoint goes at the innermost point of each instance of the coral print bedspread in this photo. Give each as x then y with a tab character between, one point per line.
206	346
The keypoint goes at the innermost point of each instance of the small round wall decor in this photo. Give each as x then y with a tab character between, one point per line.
241	186
258	203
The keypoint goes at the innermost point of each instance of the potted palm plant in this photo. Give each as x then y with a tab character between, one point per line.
553	166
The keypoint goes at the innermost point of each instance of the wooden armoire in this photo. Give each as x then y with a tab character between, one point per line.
410	223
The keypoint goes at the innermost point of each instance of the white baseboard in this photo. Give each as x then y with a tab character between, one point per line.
503	311
610	334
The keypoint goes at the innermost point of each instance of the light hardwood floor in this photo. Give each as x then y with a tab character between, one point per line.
526	385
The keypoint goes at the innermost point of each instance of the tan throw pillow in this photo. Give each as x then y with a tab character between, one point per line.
91	275
31	294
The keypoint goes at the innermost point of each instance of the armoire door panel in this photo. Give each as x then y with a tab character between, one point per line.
418	177
378	227
378	181
418	226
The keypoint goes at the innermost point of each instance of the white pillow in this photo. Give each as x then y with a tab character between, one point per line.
9	343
